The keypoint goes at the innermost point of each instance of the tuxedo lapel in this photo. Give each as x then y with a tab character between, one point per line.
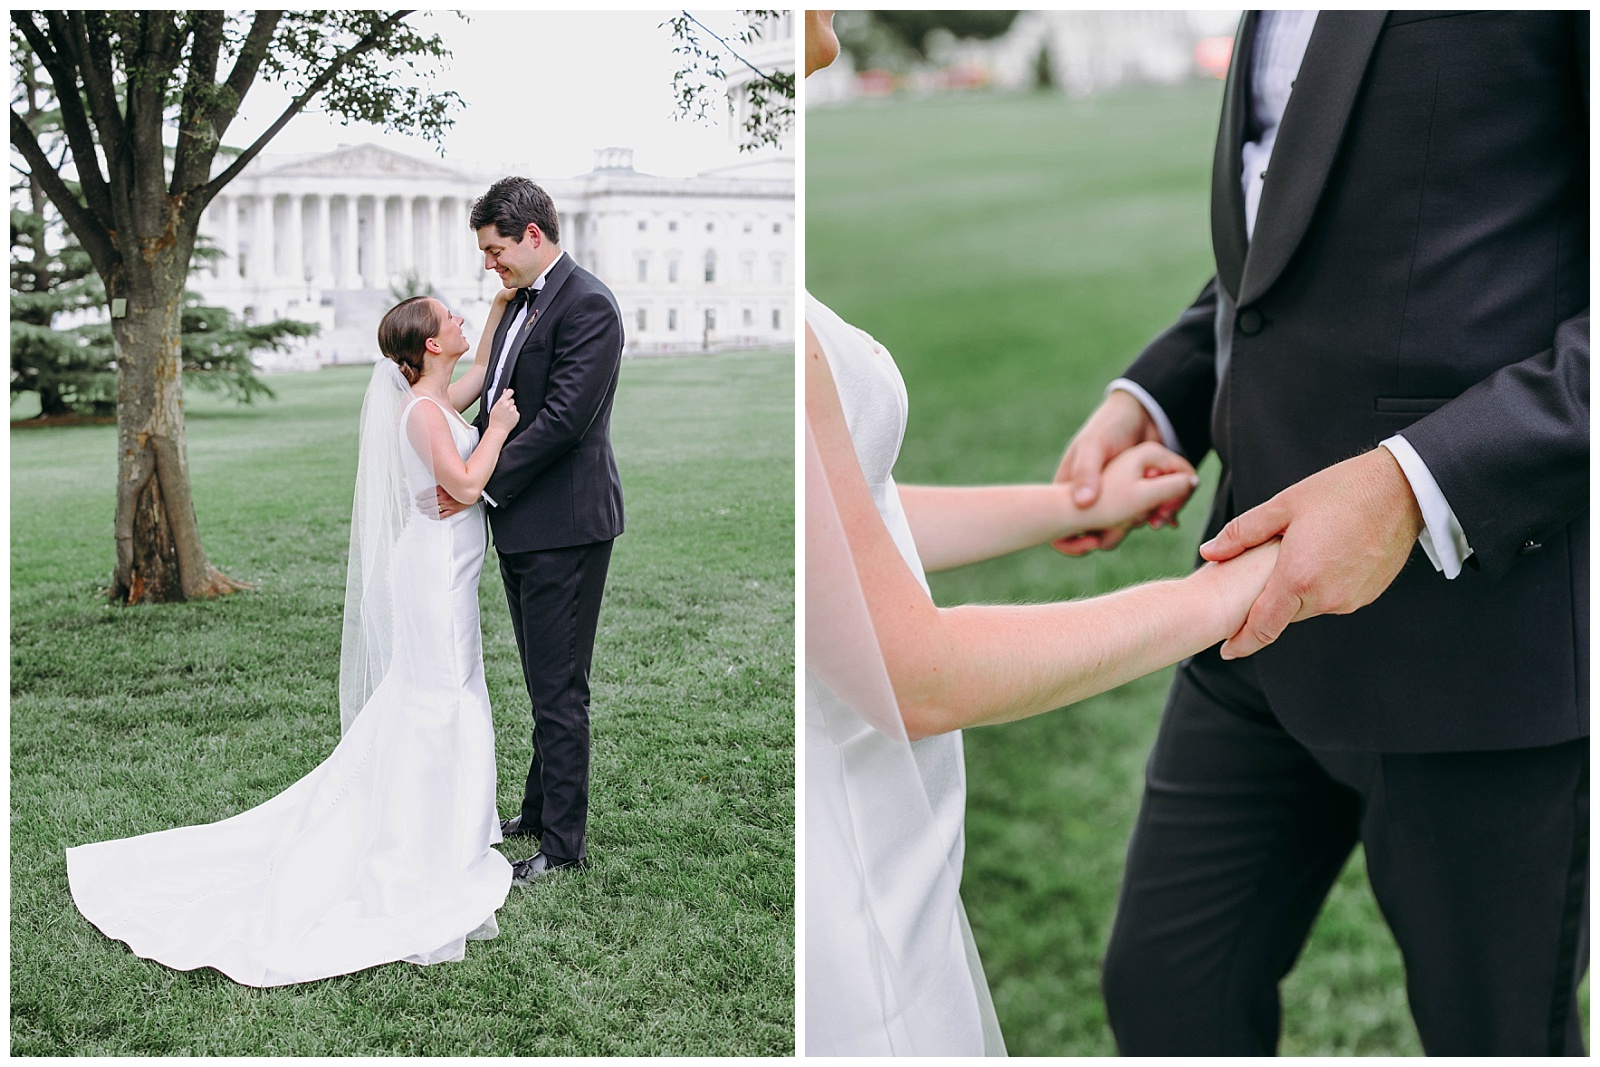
1228	241
494	359
1308	140
552	285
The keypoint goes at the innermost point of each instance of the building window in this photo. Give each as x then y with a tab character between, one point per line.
672	270
711	227
777	269
711	320
672	320
777	227
777	319
644	269
749	227
643	225
748	269
639	317
711	264
749	318
672	227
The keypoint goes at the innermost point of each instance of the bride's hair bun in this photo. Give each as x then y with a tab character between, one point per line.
404	332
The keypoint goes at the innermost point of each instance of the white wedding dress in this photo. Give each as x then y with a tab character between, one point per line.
381	853
890	963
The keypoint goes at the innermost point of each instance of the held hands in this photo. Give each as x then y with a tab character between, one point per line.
1236	584
503	416
1117	425
1346	531
1135	485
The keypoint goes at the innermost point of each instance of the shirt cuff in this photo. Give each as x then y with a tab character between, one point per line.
1442	539
487	499
1153	409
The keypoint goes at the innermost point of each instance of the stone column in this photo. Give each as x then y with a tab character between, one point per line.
378	278
261	249
443	250
295	260
228	208
433	248
278	266
408	236
350	262
453	239
471	259
322	243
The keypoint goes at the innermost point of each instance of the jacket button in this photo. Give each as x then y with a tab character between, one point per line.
1250	322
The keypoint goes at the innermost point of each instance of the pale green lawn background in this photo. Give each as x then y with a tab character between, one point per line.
1014	254
679	939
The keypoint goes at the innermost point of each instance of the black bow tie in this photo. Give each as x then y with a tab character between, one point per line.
524	298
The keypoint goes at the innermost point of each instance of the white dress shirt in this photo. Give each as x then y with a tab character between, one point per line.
1280	45
511	339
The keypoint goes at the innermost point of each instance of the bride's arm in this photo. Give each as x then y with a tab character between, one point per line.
976	664
430	436
957	525
469	387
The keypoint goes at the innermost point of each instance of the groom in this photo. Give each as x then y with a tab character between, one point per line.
555	502
1399	214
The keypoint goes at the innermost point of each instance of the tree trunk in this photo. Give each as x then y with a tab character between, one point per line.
51	402
159	555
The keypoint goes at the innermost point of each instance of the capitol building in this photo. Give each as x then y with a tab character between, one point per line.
697	263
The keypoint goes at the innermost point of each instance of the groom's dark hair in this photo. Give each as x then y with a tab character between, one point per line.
512	203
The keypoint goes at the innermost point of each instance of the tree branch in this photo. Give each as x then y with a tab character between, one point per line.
763	75
91	234
147	73
243	74
197	139
94	60
98	67
366	44
74	122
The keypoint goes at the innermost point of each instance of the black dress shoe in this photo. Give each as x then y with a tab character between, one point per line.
525	872
512	827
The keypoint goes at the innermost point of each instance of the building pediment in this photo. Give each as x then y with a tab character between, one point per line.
364	160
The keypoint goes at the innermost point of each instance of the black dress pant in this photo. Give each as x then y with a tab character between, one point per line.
1478	861
555	607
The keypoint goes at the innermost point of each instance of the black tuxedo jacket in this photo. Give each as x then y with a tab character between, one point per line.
1420	263
556	484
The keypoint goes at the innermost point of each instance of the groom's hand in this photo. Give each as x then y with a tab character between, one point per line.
1346	531
448	505
1118	424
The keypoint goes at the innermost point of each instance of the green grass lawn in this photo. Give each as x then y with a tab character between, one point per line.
679	938
1015	253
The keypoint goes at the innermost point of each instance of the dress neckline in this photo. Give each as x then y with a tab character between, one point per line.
442	407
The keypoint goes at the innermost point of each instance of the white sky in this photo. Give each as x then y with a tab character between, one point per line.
589	79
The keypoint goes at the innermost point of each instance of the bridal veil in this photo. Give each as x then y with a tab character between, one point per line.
891	966
397	587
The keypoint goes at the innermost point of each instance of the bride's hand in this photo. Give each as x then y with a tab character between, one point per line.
1139	483
504	415
502	298
1237	583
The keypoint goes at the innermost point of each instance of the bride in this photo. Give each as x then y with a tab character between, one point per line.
384	851
891	967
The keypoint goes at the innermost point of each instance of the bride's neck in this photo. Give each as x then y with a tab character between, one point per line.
435	380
